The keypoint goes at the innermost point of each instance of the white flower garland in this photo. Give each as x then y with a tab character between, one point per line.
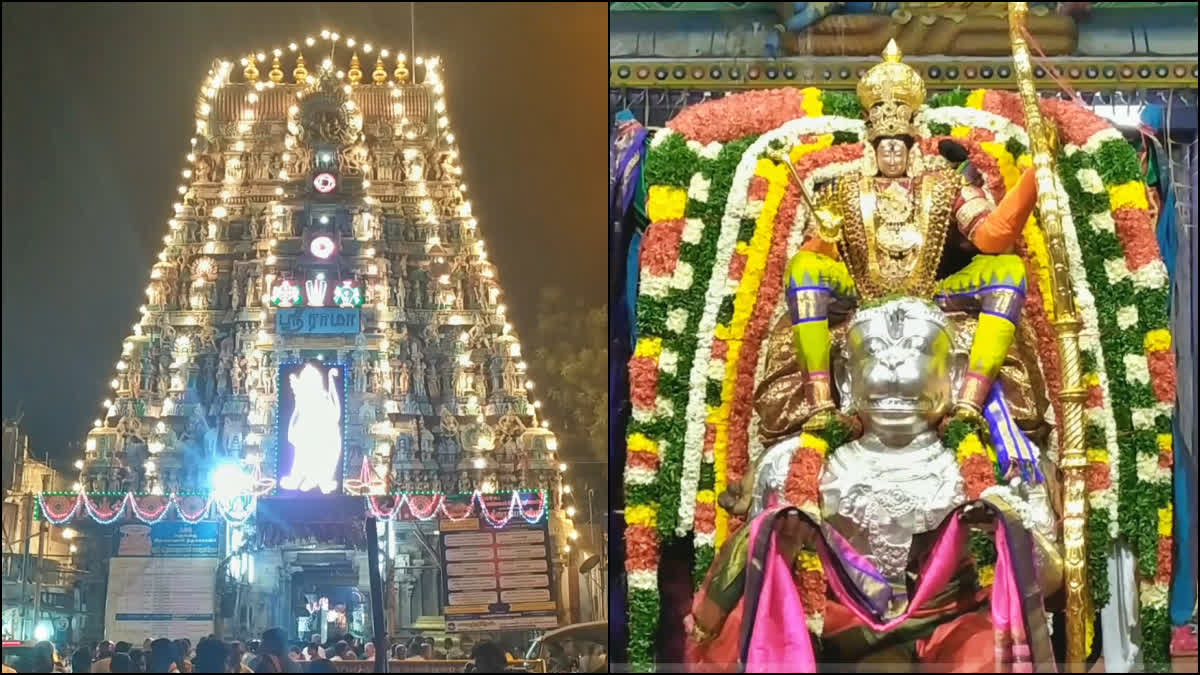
677	320
1090	181
737	207
698	188
1001	126
668	361
1127	316
646	580
661	136
710	151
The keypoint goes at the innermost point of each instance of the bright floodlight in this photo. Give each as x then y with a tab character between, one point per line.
42	631
229	481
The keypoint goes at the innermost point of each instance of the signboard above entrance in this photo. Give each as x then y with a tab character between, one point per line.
318	321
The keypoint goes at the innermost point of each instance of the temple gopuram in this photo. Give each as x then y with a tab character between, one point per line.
323	340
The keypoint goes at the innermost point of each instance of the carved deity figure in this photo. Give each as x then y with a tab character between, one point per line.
418	379
433	385
361	372
235	293
238	376
414	167
512	380
403	379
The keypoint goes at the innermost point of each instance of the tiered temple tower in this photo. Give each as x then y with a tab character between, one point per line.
312	187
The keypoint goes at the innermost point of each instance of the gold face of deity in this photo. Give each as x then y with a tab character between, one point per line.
891	156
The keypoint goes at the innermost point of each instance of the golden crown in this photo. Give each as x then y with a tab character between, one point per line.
891	92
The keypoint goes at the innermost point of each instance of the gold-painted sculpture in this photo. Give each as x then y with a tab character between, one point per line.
250	71
300	73
895	224
1066	326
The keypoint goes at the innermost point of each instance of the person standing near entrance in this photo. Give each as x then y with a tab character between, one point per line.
272	654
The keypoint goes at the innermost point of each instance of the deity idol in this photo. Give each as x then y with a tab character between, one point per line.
886	232
314	432
894	510
891	533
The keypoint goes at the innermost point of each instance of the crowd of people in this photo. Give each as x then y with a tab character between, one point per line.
271	654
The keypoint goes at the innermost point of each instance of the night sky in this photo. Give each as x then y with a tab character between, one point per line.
99	105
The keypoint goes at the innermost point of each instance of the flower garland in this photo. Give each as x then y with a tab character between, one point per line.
437	503
816	161
710	291
668	319
1125	320
802	488
741	219
149	509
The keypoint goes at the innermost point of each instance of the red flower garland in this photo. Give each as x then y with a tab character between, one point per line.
1097	476
1076	123
1137	236
978	474
660	249
801	486
641	548
1006	104
769	291
752	112
1162	374
643	381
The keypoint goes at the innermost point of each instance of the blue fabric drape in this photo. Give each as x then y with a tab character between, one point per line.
626	151
1177	238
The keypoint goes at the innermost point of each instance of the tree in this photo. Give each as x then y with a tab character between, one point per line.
570	365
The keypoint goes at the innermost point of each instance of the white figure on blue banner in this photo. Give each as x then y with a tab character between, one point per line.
314	432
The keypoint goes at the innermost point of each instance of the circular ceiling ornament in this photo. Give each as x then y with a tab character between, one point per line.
322	246
325	183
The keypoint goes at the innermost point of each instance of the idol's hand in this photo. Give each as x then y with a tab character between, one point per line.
794	534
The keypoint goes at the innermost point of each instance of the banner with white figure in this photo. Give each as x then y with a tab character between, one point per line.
311	427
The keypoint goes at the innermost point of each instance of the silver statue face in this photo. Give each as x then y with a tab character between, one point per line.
896	369
891	156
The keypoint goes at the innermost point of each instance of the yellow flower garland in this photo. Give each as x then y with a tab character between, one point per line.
1158	340
664	202
648	347
747	294
638	442
811	103
1131	194
987	576
646	515
975	99
1166	519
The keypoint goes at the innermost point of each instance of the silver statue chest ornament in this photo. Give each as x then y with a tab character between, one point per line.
894	371
879	497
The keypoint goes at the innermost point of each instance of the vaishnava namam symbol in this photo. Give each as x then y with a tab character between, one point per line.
314	432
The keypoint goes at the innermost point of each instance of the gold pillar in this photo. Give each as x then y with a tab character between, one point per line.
1066	326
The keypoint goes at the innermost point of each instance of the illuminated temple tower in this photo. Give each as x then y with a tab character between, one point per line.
322	277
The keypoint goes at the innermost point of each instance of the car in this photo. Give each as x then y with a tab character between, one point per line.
578	648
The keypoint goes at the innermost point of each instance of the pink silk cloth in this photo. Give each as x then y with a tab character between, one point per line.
780	641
